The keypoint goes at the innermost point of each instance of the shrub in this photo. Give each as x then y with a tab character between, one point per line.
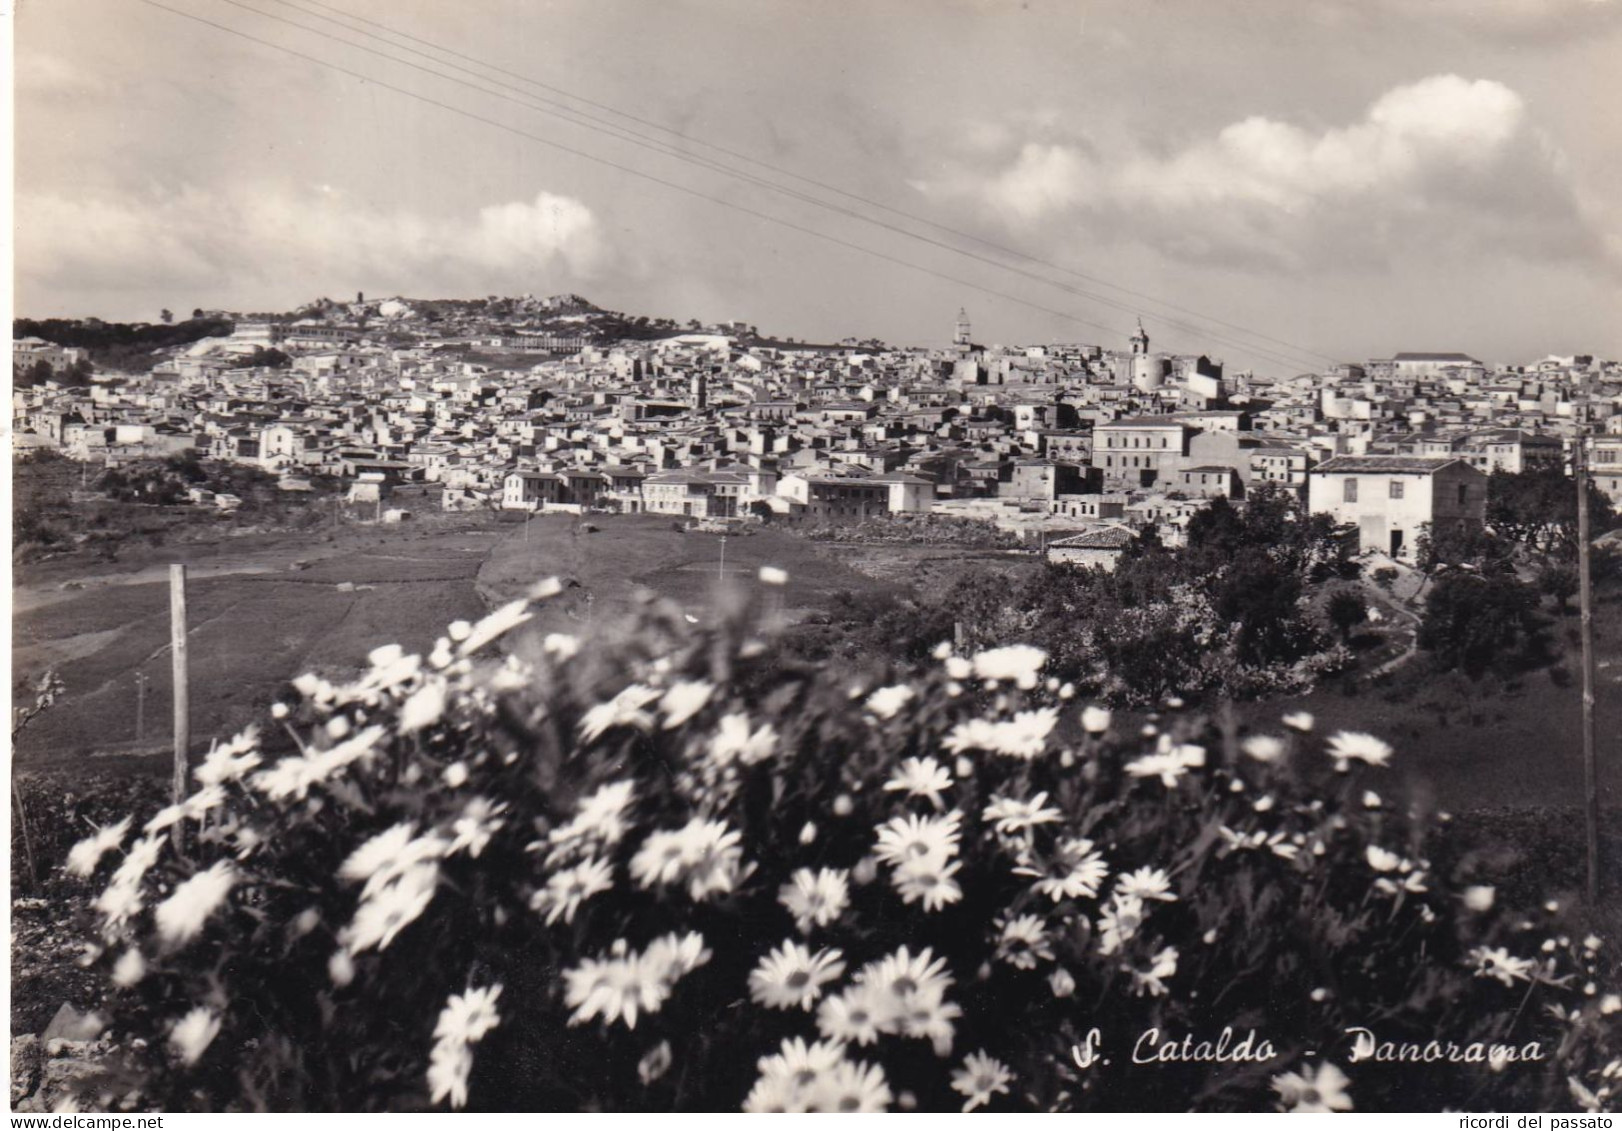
669	869
1347	609
1474	620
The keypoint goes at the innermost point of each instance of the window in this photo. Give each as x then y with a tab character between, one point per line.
1464	492
1351	490
1396	488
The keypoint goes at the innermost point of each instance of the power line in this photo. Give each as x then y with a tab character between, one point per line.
734	206
795	176
1199	333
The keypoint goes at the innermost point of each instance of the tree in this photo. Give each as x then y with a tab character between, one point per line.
1260	597
1347	609
1450	546
79	373
1474	620
37	374
168	316
1538	509
197	313
262	358
1558	580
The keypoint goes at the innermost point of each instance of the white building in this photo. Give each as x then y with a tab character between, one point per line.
1391	499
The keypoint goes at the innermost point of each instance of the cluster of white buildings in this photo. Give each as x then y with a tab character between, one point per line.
536	404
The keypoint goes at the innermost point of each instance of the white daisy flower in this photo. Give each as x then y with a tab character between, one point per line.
684	700
84	856
1153	980
625	709
566	890
180	917
479	823
1095	720
792	977
1263	747
858	1014
912	837
467	1017
424	708
920	777
230	761
1017	662
599	819
1382	860
1320	1090
886	702
1119	923
815	899
386	912
1077	872
1498	963
1023	941
733	740
129	969
193	1033
981	1077
1299	721
928	880
448	1067
852	1087
1168	765
497	624
1146	883
1010	815
1347	747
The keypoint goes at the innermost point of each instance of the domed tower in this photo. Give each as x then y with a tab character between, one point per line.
1148	372
1140	341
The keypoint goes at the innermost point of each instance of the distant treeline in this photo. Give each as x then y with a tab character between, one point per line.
120	345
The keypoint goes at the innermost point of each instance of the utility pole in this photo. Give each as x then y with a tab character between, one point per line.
182	690
140	705
721	572
1585	597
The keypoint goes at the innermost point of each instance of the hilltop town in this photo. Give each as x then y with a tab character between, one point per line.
545	404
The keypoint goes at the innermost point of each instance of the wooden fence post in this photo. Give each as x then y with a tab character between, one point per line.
177	650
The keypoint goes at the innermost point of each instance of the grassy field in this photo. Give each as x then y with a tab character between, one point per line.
258	614
629	553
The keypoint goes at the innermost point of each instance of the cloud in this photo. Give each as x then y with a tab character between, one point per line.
312	241
1513	20
1445	165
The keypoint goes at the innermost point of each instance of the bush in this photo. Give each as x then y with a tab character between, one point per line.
915	529
1475	621
1347	609
672	870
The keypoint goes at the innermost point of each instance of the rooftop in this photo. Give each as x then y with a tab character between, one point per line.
1418	465
1105	538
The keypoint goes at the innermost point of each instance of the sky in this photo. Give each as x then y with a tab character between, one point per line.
1277	183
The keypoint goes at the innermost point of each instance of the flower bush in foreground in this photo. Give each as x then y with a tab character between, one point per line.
668	869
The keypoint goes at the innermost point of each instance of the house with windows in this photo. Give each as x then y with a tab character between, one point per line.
1392	499
1143	451
1102	547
